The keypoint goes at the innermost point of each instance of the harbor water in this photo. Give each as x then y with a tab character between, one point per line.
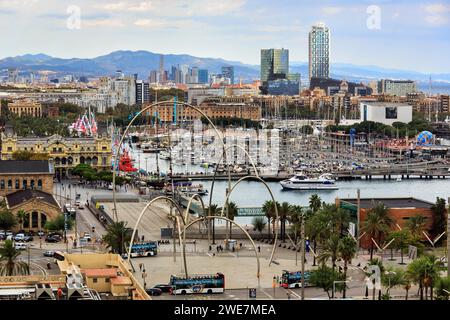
254	194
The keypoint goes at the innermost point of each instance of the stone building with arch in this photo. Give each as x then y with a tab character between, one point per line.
38	206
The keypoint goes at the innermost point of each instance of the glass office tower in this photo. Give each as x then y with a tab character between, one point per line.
274	64
319	52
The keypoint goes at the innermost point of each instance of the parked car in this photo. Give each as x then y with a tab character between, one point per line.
28	238
87	236
53	239
41	233
81	207
154	292
20	246
19	237
49	254
166	288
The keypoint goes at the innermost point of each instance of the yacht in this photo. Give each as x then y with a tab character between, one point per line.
303	182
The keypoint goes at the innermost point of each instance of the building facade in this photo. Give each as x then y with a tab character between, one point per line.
214	108
400	210
386	112
319	52
228	72
142	93
25	108
66	153
400	88
274	64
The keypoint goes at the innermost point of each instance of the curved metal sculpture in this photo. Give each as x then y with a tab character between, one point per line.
230	221
185	217
274	201
142	214
116	163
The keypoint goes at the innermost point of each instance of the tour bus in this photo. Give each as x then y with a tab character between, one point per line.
293	279
198	284
144	249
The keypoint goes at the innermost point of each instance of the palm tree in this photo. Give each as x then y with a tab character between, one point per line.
347	251
214	210
118	236
232	213
284	210
269	211
9	266
377	224
340	219
425	271
330	251
315	203
373	225
316	229
21	216
259	224
416	225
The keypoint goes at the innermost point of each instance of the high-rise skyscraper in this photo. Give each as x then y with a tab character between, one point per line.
142	93
274	64
319	52
203	76
228	72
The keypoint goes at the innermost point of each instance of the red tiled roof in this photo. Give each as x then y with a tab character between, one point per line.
100	272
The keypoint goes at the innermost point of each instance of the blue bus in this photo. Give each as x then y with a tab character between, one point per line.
144	249
294	279
198	284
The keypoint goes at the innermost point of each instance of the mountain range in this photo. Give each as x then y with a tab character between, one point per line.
142	62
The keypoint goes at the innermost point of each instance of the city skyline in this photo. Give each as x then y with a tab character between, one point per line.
235	30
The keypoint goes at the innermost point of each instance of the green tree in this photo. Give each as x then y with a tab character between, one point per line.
232	213
324	277
118	237
402	239
269	211
442	288
392	278
284	210
315	203
416	226
425	271
346	250
439	218
330	251
259	224
7	220
9	264
21	216
377	224
58	223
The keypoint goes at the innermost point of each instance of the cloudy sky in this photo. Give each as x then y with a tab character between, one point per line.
411	35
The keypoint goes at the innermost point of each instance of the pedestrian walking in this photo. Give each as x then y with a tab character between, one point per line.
259	249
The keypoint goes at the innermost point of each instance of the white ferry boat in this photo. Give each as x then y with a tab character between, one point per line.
303	182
